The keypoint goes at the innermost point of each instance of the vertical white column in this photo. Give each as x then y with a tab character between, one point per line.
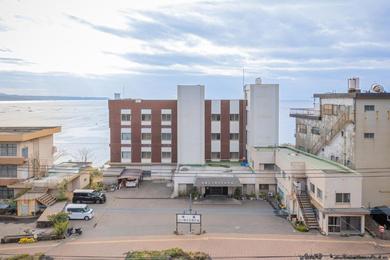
190	124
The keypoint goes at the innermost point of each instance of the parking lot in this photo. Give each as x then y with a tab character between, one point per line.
148	210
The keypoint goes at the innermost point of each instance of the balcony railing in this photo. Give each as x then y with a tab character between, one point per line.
305	113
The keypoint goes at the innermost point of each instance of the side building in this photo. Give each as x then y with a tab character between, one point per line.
25	152
353	129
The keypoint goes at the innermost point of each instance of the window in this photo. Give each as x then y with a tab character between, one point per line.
301	128
6	193
369	135
333	224
327	109
126	155
215	155
25	152
315	130
7	149
146	117
8	171
234	136
146	155
215	117
215	136
263	186
369	108
146	136
166	155
166	136
125	136
166	117
319	193
234	155
126	117
269	166
343	197
234	117
312	188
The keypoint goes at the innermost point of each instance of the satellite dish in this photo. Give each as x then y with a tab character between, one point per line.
376	88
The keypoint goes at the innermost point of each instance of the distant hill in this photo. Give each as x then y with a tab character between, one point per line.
7	97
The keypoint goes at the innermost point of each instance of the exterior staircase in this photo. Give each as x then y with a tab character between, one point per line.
47	199
342	120
308	212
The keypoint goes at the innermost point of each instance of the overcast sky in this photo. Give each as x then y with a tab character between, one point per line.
145	48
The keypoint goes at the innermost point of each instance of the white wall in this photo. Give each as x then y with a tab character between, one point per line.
190	124
263	115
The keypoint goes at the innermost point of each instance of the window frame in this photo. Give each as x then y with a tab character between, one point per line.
216	117
234	117
215	136
343	197
369	108
368	135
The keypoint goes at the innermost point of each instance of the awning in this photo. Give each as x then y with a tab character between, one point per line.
131	174
217	182
355	211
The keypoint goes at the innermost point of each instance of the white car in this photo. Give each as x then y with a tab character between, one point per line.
79	211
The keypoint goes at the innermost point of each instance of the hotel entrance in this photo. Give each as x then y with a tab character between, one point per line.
217	186
215	191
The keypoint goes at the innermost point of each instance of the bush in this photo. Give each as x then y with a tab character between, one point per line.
237	193
98	186
172	253
300	226
38	256
60	223
26	240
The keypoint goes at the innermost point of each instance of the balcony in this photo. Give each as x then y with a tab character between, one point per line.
18	160
308	113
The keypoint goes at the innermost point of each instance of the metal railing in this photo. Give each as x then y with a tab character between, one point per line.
305	112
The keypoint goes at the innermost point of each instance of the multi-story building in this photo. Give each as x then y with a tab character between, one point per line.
353	129
191	129
25	152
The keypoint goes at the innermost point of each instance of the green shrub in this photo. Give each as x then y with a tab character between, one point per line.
300	226
172	253
237	193
60	223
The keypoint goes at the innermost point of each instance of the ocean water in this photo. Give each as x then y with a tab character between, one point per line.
85	124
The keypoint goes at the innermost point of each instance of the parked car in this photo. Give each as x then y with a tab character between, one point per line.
88	196
7	209
381	215
79	211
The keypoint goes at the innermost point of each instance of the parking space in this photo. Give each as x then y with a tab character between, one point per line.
131	213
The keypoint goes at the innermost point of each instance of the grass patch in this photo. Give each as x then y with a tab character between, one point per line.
172	253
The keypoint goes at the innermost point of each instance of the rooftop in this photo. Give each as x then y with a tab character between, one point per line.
358	95
19	134
311	161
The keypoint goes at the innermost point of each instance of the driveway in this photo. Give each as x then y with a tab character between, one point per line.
145	211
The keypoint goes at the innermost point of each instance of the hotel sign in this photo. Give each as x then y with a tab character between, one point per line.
188	218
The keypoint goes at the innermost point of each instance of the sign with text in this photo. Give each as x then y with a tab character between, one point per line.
188	218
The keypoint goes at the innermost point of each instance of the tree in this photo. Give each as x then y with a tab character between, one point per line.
60	223
83	155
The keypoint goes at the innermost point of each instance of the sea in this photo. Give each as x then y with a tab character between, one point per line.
85	128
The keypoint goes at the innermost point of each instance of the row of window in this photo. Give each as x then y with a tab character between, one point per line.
6	193
217	136
7	149
168	117
232	117
146	155
331	109
8	171
301	128
340	197
146	136
168	136
147	117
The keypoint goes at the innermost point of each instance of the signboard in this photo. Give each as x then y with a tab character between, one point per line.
188	218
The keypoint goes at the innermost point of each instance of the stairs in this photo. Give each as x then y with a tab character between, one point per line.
308	212
342	120
47	199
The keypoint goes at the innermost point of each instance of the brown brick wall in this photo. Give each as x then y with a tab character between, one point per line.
156	106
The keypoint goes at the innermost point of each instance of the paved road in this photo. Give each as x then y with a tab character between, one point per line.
231	246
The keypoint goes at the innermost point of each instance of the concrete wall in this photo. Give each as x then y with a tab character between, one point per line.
191	124
263	115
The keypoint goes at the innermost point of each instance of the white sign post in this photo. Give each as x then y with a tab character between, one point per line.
188	217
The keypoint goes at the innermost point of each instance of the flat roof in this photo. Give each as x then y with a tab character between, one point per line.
314	162
361	95
26	133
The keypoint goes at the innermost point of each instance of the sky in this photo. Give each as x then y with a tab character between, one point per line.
143	49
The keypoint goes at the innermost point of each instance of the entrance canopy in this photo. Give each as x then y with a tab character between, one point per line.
217	182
